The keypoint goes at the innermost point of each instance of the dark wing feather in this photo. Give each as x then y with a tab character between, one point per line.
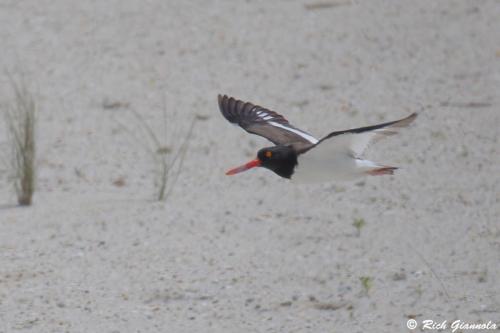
261	121
397	123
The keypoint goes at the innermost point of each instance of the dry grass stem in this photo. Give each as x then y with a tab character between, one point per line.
20	118
168	161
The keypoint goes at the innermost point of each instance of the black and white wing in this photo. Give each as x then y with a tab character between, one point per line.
258	120
357	140
339	155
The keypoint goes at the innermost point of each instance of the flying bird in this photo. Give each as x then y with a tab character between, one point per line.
299	156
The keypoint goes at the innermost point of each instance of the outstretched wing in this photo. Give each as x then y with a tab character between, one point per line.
258	120
357	140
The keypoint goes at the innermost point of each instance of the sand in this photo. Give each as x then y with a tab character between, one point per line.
252	253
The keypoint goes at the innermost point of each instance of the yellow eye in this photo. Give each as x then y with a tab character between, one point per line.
269	154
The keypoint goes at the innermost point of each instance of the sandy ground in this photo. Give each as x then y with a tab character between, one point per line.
252	253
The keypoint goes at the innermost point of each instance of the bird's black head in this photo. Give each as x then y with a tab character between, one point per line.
280	159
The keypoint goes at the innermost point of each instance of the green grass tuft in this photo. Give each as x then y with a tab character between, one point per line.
367	283
359	224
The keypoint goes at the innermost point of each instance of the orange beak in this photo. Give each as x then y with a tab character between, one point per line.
244	167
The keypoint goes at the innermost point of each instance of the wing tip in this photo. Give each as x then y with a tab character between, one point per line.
231	108
224	108
405	121
225	103
412	116
221	98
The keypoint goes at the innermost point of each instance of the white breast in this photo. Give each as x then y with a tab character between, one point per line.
314	169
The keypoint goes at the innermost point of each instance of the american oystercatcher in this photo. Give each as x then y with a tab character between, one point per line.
298	155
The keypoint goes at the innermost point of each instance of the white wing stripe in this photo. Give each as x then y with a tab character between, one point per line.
306	136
